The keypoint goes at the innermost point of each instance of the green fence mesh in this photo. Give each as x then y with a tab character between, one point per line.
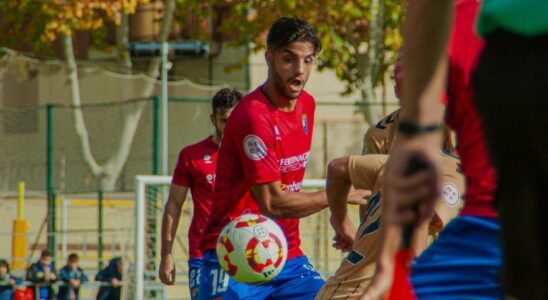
122	140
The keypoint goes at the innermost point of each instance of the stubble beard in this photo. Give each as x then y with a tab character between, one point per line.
218	133
281	86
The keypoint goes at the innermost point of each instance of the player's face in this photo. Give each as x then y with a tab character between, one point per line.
290	67
3	270
219	120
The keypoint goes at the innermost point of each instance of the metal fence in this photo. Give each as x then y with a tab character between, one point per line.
48	149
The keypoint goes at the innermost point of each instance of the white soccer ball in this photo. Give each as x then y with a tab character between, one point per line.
252	249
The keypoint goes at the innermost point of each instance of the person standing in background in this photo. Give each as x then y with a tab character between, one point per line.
195	170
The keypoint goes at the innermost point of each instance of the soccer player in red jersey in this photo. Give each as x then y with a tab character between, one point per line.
261	165
195	170
465	261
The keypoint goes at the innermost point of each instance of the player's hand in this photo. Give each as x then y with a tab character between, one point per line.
166	271
345	232
52	277
411	197
12	281
357	197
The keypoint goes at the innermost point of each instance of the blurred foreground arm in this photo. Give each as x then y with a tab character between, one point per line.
426	34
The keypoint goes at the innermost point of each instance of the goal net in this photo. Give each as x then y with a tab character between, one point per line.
151	194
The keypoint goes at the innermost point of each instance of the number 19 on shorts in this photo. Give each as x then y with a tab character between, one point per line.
219	282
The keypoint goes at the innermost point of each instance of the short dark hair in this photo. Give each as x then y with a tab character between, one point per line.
286	30
224	99
46	253
4	263
73	257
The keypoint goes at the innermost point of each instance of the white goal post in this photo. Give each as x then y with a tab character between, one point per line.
141	183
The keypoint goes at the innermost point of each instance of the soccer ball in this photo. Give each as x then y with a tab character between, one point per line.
252	249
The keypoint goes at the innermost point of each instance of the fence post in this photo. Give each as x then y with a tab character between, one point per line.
155	134
325	145
247	71
20	230
100	229
52	245
139	250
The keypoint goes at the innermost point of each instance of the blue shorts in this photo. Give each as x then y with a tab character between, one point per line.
194	267
463	263
297	281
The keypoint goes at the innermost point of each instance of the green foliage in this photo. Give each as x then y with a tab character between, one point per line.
19	24
344	29
344	26
37	23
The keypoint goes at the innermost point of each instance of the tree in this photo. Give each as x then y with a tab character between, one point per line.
38	23
360	38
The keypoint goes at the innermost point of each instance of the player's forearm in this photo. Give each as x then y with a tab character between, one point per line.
338	186
390	239
170	222
289	205
390	233
426	33
420	238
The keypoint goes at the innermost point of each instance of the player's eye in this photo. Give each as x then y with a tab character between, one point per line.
289	59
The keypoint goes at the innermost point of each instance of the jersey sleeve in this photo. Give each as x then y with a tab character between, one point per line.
371	145
365	170
181	174
450	201
256	144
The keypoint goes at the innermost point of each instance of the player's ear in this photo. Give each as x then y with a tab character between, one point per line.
212	118
269	57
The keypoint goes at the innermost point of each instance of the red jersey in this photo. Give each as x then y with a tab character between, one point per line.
196	169
464	49
261	144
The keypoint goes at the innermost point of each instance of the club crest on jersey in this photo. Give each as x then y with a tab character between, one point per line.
210	178
450	194
207	159
304	119
254	147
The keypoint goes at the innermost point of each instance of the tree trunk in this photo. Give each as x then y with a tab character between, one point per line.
79	122
109	173
371	64
116	163
122	42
